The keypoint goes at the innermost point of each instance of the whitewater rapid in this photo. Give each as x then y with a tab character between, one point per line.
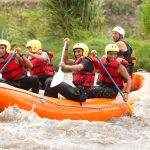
25	130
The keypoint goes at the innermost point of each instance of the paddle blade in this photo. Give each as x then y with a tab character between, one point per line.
130	109
58	78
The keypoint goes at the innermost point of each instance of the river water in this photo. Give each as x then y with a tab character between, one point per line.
22	130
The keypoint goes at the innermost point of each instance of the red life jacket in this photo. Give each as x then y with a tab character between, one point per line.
14	71
82	77
41	68
112	69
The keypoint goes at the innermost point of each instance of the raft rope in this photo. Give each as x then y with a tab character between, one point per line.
63	105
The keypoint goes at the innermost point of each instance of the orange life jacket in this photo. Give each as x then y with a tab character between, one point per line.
112	69
14	71
82	77
41	68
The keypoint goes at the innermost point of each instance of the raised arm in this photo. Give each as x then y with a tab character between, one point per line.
66	58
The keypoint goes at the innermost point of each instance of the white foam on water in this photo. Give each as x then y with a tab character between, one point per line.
25	130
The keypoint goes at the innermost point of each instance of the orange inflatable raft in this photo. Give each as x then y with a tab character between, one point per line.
96	109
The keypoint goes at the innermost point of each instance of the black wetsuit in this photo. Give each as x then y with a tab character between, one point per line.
26	83
79	93
127	56
103	90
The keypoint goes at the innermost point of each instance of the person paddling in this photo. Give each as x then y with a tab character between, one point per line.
42	64
15	73
115	67
83	74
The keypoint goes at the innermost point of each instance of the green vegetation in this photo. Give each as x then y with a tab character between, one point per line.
68	16
89	21
145	15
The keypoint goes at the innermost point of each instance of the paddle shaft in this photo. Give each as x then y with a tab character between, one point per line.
58	77
63	53
10	59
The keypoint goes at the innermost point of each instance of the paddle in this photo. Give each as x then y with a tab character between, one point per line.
129	106
59	76
9	60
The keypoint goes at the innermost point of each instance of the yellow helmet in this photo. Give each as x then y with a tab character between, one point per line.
34	44
111	48
82	46
7	44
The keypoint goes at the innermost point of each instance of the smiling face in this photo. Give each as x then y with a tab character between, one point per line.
112	55
78	52
2	50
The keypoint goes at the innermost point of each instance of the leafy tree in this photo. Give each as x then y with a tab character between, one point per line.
66	16
145	15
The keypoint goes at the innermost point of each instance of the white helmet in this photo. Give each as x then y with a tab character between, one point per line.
120	30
